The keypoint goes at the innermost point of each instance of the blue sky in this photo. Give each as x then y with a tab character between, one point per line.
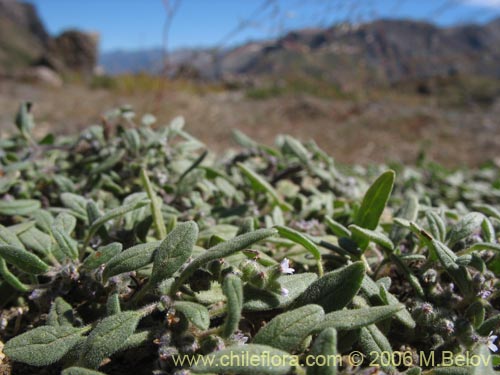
136	24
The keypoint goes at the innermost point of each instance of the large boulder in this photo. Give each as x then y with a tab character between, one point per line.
76	50
25	43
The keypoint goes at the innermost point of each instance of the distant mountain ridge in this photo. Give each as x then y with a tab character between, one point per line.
379	51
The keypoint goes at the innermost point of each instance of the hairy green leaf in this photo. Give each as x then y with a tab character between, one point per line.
261	300
287	330
42	346
131	259
108	337
325	346
373	204
102	255
222	250
194	312
61	314
233	290
335	289
22	259
174	251
247	360
20	207
353	319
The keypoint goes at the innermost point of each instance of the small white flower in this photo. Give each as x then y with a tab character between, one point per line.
285	267
491	342
284	292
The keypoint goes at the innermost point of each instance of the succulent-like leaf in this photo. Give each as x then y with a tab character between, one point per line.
287	330
22	259
335	289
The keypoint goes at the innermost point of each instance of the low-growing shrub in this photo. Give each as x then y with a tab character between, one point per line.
130	246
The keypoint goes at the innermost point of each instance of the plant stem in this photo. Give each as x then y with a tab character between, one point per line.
155	206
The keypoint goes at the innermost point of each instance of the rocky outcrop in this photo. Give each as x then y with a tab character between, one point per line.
25	43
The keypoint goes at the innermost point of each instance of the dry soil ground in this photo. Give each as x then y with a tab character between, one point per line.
377	128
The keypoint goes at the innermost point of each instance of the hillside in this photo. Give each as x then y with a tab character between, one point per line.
25	44
381	51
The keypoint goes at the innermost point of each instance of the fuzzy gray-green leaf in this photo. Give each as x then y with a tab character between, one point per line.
194	312
114	213
220	365
22	259
372	341
60	314
80	371
108	337
465	227
42	346
371	235
299	238
287	330
131	259
325	345
222	250
335	289
66	244
373	204
102	255
233	290
7	237
20	207
353	319
261	300
174	251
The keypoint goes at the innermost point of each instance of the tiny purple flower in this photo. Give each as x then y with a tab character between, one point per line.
285	267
